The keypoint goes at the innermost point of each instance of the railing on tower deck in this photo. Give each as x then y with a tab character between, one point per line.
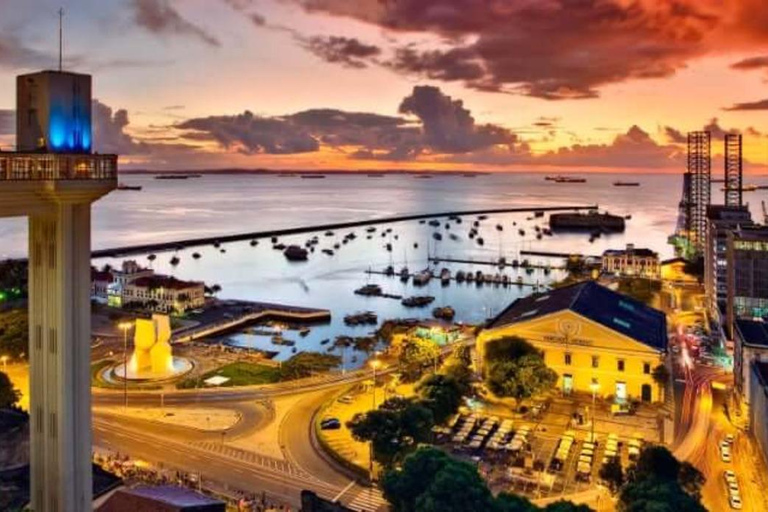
56	166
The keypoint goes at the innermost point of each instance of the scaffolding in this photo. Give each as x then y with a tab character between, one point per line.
699	169
733	170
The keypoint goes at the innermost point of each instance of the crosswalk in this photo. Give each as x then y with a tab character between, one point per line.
250	457
367	499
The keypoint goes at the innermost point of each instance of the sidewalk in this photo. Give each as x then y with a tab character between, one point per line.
198	418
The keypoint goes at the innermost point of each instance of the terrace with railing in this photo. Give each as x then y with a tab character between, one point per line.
56	166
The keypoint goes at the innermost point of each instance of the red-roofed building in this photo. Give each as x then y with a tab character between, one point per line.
164	293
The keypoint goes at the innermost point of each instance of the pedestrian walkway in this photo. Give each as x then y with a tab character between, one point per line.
366	499
264	461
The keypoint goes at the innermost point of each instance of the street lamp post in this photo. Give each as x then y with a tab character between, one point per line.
375	363
594	387
125	326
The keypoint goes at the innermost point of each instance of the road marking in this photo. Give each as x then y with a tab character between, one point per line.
343	491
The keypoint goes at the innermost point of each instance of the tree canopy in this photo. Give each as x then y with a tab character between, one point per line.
304	364
658	482
416	354
431	480
394	429
442	394
9	396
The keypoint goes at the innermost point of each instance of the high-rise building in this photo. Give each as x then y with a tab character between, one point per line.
52	179
721	219
747	270
699	167
732	166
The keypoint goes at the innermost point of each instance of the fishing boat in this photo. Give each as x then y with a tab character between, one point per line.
445	277
295	253
404	275
422	278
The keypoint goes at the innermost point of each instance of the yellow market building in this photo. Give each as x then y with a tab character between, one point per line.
594	338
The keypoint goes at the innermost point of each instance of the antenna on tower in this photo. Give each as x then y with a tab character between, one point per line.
61	36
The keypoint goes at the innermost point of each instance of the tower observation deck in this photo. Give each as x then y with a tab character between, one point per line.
52	180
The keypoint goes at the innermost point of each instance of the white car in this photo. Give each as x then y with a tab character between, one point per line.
730	438
725	451
735	501
729	476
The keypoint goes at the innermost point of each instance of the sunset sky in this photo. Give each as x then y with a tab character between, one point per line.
494	85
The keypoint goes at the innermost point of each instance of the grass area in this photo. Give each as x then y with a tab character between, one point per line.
239	374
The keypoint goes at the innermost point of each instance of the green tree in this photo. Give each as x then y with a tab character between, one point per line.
431	480
457	366
612	474
394	429
566	506
304	364
9	396
660	375
509	348
416	354
506	502
521	378
442	394
14	332
658	482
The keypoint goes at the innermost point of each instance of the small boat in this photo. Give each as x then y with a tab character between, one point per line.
129	187
312	176
499	227
521	232
304	331
389	271
329	252
422	278
453	236
388	247
329	233
196	255
337	246
437	236
325	341
480	241
404	275
460	276
295	253
279	247
434	223
626	184
175	261
369	290
538	213
417	301
569	179
371	229
445	277
482	217
444	313
254	243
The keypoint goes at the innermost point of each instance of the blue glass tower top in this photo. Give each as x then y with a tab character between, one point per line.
53	112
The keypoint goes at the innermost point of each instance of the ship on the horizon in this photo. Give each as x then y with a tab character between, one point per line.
565	179
122	186
312	176
179	176
626	183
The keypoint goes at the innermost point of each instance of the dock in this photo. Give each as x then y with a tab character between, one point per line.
492	263
509	283
257	235
250	312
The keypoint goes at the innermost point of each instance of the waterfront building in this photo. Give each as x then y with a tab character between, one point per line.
747	274
592	337
633	262
101	281
758	413
720	220
750	345
164	294
52	178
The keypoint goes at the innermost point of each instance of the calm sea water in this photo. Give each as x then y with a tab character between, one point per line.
214	205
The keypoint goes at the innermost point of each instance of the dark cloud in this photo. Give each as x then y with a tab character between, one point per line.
109	134
675	135
174	107
15	55
455	64
751	63
7	122
161	18
557	49
749	105
348	51
447	126
251	134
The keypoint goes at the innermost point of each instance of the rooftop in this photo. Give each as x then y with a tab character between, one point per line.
34	166
161	281
753	332
611	309
173	495
761	368
645	253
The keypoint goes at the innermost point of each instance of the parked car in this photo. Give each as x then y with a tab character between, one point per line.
725	451
735	501
346	399
330	424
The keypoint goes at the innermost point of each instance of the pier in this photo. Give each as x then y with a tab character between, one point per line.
554	254
508	284
256	235
492	263
249	312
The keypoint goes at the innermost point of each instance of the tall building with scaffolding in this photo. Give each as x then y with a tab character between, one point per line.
733	170
690	236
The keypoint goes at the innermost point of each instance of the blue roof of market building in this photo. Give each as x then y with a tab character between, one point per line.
611	309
